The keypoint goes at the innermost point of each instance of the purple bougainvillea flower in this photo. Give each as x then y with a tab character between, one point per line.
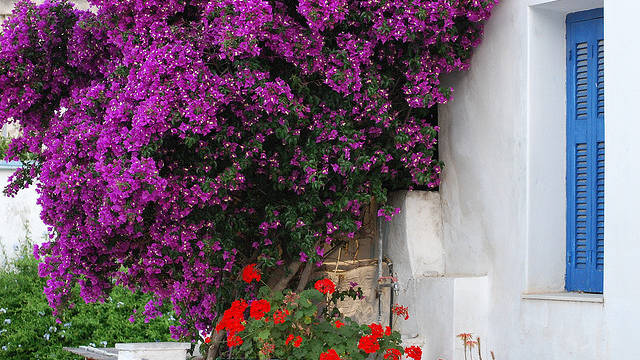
173	141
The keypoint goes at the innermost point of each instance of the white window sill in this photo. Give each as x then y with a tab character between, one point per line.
565	296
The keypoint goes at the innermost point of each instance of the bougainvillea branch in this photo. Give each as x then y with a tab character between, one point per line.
178	141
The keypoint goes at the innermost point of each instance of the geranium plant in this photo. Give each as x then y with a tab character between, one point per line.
290	325
174	142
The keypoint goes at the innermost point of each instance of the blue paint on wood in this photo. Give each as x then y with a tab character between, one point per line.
585	151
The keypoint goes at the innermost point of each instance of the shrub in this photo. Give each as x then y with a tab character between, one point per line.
29	330
306	325
177	141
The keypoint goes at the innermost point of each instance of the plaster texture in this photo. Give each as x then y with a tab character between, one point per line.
441	304
153	351
503	199
622	194
415	235
18	215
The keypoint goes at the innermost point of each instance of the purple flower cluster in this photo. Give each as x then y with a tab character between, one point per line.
176	141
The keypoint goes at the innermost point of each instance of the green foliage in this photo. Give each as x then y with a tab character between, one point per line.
29	330
4	145
311	316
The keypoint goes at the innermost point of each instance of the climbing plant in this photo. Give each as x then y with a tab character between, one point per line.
177	141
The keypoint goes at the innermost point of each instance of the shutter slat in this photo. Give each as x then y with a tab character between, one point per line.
600	208
600	84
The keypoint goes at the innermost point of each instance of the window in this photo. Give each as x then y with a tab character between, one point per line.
585	151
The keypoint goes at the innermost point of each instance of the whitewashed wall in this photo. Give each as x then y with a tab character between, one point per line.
503	139
622	194
16	213
503	197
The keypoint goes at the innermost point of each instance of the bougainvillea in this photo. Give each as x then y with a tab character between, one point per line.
178	141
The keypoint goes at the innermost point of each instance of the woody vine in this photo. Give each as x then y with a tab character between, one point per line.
175	142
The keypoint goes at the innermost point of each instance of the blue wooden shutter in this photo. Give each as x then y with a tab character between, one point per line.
585	151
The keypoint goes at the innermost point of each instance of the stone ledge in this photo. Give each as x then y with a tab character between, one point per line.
565	296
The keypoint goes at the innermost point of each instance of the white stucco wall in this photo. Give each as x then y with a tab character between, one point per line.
503	197
622	245
152	351
16	213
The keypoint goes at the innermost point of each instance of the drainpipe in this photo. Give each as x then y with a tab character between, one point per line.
385	281
379	277
393	290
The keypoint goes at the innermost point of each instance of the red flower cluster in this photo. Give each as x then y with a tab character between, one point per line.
392	354
376	330
329	355
268	348
325	286
250	273
259	308
232	321
413	352
297	340
280	316
369	343
401	311
338	324
234	340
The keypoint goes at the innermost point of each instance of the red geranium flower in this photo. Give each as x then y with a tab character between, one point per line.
338	324
233	317
392	354
289	338
249	273
298	341
376	330
401	311
259	308
413	352
234	340
329	355
325	286
369	344
207	340
280	316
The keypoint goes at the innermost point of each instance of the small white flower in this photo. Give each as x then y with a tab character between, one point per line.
120	303
53	329
104	343
41	313
4	348
3	311
46	336
7	321
67	324
92	344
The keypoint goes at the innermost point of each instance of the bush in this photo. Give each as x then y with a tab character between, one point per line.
182	140
28	330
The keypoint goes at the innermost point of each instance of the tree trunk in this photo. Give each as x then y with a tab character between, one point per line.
216	341
304	277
